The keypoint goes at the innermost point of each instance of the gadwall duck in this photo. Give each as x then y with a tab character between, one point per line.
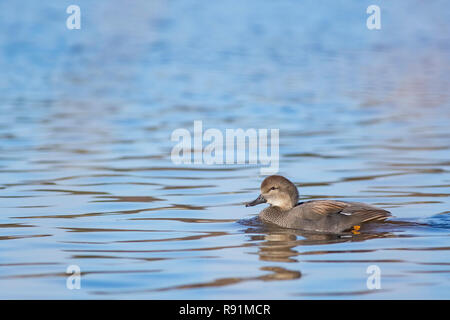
329	216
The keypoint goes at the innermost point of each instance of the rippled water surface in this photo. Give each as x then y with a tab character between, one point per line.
86	176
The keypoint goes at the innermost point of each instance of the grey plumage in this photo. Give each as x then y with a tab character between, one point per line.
317	215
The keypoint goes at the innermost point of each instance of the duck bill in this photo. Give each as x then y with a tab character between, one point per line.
258	200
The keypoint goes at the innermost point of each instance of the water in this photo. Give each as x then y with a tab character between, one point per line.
86	176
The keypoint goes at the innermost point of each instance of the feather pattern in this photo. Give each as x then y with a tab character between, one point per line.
324	215
317	215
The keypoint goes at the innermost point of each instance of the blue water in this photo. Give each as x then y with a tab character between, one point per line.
86	176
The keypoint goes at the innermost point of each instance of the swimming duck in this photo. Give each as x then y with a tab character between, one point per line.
329	216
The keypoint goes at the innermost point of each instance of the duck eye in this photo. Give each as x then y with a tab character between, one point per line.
273	188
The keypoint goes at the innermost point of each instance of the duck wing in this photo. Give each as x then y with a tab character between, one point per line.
337	216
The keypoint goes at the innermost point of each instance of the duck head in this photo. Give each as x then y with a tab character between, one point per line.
277	191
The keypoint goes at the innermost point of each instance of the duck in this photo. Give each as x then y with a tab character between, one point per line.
324	216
